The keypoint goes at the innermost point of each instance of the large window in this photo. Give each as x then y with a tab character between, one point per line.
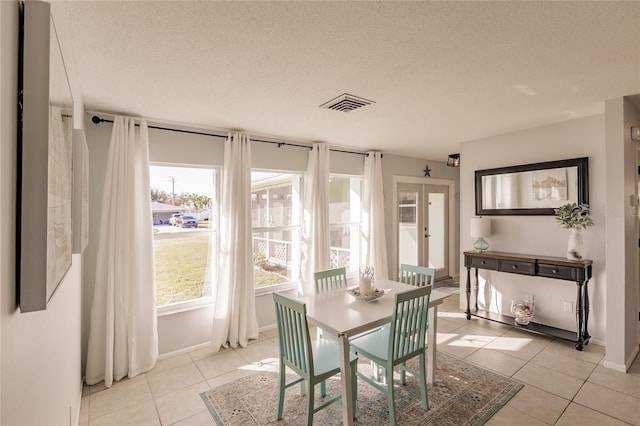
184	225
345	221
275	219
185	214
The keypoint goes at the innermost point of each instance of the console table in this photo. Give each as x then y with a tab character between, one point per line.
578	271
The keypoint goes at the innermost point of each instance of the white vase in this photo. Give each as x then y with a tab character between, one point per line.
574	249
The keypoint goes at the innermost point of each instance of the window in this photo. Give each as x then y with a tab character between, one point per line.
345	221
275	219
185	215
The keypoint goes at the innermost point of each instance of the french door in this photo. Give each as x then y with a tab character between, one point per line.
423	226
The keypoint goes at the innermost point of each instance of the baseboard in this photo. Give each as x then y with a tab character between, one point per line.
267	328
204	345
613	366
632	357
627	364
184	350
76	415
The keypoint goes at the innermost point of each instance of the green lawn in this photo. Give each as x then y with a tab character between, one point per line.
181	265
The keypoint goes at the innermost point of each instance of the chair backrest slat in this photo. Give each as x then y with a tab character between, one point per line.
293	334
332	279
409	323
417	275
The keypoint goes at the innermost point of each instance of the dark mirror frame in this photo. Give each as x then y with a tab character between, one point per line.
583	185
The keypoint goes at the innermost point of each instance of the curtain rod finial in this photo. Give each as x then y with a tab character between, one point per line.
96	119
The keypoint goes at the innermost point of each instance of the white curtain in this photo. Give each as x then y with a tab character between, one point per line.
316	242
375	242
234	317
123	337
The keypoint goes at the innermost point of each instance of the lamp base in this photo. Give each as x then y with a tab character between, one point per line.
481	244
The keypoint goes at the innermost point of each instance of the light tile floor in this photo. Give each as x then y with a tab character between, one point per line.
562	386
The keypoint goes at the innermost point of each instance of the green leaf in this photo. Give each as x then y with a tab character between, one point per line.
574	215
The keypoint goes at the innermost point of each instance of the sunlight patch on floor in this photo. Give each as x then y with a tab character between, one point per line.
471	341
509	344
452	315
267	364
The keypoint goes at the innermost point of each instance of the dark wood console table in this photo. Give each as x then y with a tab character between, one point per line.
578	271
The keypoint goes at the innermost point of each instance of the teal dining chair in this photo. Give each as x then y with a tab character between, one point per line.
413	275
332	279
417	275
313	361
405	338
329	280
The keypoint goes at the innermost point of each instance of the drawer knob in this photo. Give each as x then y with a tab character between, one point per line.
555	271
483	262
515	266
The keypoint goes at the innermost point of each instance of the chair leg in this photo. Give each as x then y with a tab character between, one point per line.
323	389
310	404
281	395
354	385
390	396
423	382
403	374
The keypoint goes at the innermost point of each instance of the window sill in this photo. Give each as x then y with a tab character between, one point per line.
190	305
276	288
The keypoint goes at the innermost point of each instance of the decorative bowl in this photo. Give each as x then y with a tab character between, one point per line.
355	292
522	311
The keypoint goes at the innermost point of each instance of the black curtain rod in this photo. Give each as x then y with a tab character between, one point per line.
96	120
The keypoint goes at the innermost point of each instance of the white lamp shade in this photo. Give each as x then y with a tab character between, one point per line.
480	227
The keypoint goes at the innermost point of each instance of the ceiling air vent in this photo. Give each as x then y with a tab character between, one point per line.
346	103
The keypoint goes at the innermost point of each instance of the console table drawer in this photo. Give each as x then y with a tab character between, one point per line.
515	267
557	271
483	263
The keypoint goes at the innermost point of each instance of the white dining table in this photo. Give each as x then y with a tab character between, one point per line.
342	315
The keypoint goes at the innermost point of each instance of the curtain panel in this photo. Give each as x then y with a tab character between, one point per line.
316	241
123	337
234	317
373	228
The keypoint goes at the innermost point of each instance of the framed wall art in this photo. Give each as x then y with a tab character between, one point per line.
45	172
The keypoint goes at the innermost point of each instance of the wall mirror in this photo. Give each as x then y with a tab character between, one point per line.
532	189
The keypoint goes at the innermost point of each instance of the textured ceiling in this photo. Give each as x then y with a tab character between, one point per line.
440	73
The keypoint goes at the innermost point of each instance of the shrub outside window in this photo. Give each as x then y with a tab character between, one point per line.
345	221
275	219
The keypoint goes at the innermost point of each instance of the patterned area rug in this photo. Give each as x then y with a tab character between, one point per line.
463	394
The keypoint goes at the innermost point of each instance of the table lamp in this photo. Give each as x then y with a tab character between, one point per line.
480	228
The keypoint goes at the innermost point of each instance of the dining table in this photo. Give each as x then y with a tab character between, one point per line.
343	315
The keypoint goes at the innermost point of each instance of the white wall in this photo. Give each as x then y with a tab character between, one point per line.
622	235
39	351
540	234
41	357
180	330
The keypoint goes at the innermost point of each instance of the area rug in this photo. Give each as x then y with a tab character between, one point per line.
463	394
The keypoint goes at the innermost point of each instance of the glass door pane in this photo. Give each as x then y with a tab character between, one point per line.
437	251
436	230
408	231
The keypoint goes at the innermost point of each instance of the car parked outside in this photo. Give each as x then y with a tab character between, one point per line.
174	218
187	222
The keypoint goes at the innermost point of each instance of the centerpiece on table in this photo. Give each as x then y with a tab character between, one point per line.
575	217
365	284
